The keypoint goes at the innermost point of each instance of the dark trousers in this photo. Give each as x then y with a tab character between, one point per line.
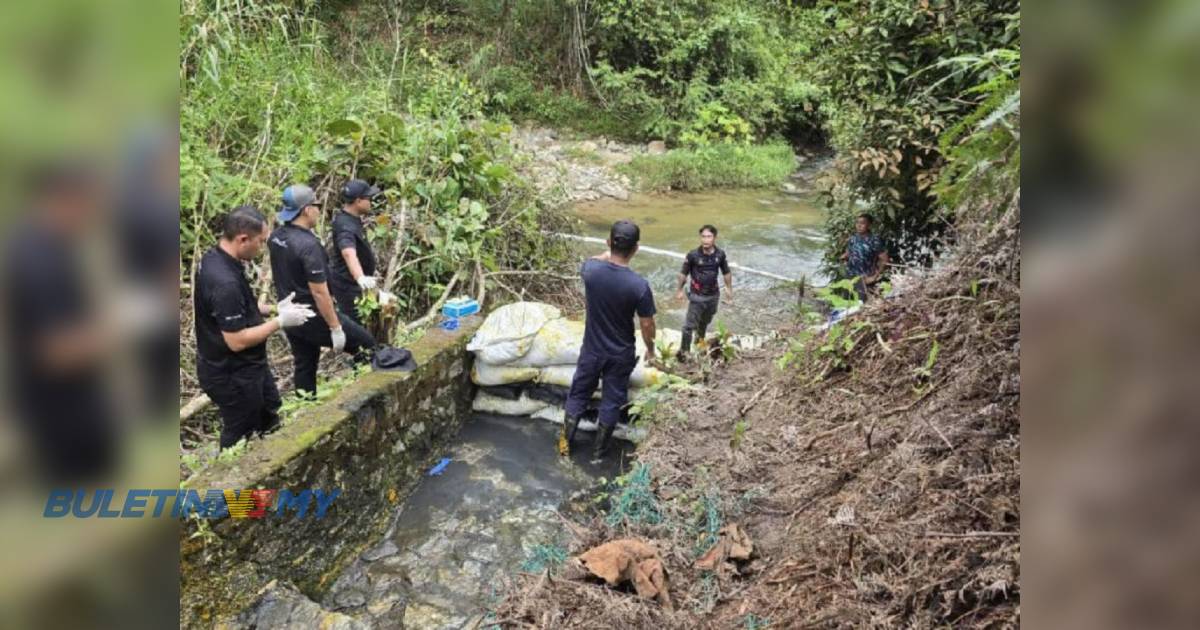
344	297
700	313
308	339
246	397
613	372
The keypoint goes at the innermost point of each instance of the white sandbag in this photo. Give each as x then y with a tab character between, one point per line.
557	343
558	415
645	376
623	431
486	374
556	375
642	376
508	332
522	406
670	338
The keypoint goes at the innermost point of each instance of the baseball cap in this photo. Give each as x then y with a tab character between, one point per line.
624	233
296	198
358	189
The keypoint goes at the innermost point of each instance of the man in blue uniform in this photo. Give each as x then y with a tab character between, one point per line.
614	294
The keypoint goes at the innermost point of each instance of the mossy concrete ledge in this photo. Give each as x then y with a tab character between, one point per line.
372	442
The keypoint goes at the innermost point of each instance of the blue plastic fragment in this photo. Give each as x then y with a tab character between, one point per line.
449	324
437	470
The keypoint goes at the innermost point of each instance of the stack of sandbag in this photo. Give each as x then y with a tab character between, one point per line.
525	356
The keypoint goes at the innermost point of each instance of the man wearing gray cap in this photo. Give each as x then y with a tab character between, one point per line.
299	264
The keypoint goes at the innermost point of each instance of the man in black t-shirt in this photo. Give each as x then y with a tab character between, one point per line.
300	265
231	335
701	267
614	294
352	262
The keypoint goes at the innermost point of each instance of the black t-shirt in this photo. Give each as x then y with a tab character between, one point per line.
225	303
614	295
297	258
348	232
702	269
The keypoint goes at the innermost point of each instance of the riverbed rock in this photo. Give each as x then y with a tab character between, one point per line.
388	548
656	147
614	190
282	605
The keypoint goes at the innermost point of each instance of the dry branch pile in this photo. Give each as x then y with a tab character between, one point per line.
880	489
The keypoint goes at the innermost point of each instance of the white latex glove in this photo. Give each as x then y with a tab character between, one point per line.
386	297
366	283
339	339
292	314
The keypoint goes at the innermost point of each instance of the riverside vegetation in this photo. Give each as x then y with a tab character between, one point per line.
919	104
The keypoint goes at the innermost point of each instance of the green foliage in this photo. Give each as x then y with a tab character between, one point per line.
840	294
716	166
739	432
898	76
268	101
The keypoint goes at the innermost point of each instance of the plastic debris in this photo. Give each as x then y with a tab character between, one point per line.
441	466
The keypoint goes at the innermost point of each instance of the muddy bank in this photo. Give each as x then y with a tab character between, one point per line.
878	477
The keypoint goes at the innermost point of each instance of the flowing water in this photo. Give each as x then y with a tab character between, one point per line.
765	230
499	505
495	509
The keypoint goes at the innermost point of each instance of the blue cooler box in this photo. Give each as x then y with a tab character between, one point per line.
460	307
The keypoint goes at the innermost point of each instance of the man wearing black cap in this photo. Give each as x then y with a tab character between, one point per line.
231	334
614	294
299	265
352	269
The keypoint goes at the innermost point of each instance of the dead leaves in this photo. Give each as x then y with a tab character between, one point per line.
732	544
629	560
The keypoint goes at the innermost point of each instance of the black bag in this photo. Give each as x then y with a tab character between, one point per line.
389	359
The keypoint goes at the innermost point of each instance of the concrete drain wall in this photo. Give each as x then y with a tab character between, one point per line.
372	442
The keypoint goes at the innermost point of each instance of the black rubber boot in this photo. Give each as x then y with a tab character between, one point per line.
567	435
603	440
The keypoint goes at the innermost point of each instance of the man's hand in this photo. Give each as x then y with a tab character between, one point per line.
729	297
366	283
339	338
606	256
293	314
679	295
266	309
649	358
386	297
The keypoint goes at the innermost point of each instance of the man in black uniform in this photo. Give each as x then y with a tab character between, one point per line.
300	265
231	335
701	266
352	266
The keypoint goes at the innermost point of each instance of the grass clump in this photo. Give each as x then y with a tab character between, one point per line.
716	166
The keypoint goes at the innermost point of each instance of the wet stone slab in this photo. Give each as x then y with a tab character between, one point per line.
441	563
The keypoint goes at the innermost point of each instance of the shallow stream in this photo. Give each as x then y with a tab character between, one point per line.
495	509
765	230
